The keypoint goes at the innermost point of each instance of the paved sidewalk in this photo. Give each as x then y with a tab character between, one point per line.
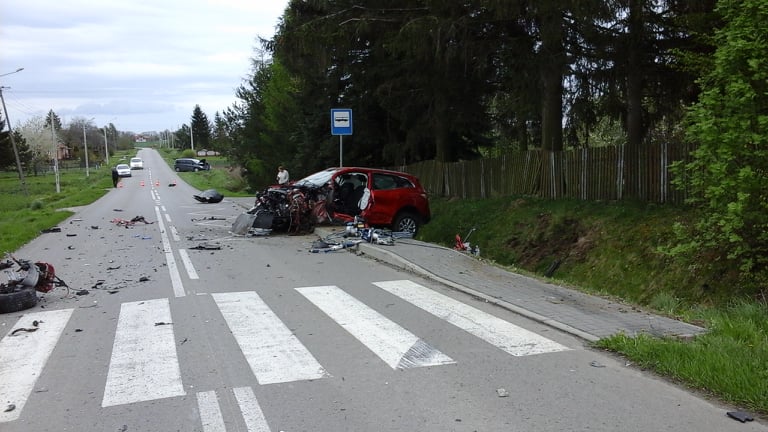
579	314
582	315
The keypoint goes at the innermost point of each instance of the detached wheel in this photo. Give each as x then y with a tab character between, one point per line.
17	300
406	222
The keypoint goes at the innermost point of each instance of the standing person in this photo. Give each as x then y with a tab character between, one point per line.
114	177
282	175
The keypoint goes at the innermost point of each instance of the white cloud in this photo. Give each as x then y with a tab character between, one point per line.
141	64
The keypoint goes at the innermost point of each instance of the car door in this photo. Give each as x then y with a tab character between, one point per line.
385	198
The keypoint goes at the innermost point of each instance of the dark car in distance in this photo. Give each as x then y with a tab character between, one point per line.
190	164
384	198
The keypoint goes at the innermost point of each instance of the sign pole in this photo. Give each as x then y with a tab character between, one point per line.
341	151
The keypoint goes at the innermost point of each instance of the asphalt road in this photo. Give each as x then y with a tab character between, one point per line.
177	325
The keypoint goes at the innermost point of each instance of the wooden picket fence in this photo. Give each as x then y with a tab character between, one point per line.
599	173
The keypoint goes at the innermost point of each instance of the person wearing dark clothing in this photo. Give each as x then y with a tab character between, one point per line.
115	177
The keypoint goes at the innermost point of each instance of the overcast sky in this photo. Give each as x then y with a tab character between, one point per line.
140	64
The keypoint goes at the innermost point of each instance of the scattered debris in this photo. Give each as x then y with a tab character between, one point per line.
78	330
161	323
502	392
71	234
10	408
23	329
595	363
94	227
144	279
207	246
740	416
130	223
183	341
51	230
209	218
113	268
327	246
82	292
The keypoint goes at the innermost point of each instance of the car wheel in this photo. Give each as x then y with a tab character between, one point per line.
177	169
17	300
406	222
196	169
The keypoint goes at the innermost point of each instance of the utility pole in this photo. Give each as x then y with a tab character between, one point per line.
55	157
13	144
106	148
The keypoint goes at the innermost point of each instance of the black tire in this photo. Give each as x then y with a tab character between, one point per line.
406	221
17	300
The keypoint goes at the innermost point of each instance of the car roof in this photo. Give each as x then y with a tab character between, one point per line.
121	165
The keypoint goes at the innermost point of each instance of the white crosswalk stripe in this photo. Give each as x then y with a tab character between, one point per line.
23	355
273	352
144	364
398	347
502	334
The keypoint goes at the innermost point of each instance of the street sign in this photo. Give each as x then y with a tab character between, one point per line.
341	121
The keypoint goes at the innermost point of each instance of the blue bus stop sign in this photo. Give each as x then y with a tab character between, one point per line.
341	121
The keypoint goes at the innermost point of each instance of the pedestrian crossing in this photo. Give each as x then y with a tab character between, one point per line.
144	363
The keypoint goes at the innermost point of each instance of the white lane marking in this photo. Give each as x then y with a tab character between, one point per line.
273	352
191	272
173	270
210	413
23	356
398	347
175	233
502	334
163	208
249	407
168	217
144	364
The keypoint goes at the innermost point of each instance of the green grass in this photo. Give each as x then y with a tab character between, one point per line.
22	217
730	361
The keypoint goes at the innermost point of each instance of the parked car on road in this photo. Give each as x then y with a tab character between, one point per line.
190	164
383	198
136	163
123	170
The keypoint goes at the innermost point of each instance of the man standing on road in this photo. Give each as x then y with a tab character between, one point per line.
282	175
114	177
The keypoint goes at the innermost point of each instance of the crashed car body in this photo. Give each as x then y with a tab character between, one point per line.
383	198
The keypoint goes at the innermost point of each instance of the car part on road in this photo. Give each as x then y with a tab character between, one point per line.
18	287
210	196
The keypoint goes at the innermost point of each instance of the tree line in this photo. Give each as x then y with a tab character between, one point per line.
449	81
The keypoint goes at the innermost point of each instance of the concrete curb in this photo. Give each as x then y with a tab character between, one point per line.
396	261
